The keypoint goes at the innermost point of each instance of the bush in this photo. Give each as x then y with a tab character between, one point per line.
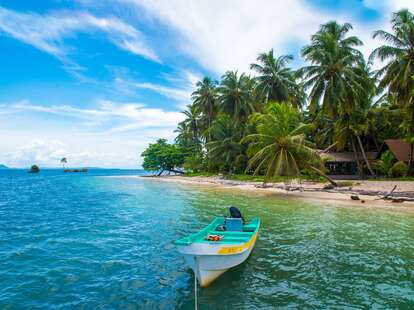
399	169
385	164
194	163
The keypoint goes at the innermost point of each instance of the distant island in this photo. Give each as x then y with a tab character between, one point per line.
34	169
3	167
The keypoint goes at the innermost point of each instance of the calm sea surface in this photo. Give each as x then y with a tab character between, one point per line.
89	241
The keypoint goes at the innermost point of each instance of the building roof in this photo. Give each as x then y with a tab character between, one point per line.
347	156
399	148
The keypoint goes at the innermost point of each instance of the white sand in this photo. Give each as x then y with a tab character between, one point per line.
311	191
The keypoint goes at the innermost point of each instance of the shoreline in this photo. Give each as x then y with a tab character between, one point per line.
369	192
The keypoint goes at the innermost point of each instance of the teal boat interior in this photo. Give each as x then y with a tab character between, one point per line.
218	227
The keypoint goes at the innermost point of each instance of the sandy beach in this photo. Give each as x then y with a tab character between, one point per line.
370	193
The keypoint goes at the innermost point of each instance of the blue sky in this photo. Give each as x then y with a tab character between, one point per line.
96	81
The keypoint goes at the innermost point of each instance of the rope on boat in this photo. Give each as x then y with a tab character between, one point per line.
195	284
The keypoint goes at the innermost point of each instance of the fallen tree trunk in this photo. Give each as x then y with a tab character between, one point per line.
324	175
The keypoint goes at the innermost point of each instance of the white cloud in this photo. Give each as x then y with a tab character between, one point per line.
48	153
183	84
37	152
109	135
48	32
228	35
107	111
169	92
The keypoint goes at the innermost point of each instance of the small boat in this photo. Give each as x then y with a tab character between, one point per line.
76	170
223	244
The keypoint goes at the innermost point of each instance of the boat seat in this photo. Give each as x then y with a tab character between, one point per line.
233	224
249	228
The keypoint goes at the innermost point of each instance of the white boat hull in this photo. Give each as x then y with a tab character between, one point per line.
209	261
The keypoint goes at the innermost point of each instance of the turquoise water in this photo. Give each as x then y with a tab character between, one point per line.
96	242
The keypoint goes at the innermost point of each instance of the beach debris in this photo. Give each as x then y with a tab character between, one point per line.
329	186
390	192
398	200
362	201
355	197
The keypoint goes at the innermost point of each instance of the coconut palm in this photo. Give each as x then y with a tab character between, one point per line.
275	81
280	147
354	116
236	95
225	146
331	76
189	129
205	100
397	74
63	162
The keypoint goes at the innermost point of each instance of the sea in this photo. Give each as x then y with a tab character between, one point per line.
105	240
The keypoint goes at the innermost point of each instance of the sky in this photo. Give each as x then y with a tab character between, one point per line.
95	81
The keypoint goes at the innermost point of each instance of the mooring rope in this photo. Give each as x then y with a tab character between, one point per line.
195	292
195	284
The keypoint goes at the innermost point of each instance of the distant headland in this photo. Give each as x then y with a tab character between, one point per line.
3	167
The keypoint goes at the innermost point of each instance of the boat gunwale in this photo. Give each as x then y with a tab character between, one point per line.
195	237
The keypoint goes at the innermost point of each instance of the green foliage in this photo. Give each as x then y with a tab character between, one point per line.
236	96
205	101
385	163
162	156
260	125
194	162
279	147
34	169
189	129
397	75
200	174
225	146
399	169
276	81
332	76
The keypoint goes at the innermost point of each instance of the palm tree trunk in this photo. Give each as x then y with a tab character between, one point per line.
329	147
356	158
365	156
324	175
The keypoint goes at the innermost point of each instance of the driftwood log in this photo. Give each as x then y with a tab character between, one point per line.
391	195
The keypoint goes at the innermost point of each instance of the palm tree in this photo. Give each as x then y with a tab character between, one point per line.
184	136
331	75
340	83
189	129
397	74
236	96
280	147
225	146
276	81
63	162
205	100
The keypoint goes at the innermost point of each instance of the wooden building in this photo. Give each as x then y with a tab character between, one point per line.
399	148
345	163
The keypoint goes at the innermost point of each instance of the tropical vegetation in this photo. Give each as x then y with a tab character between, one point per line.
276	121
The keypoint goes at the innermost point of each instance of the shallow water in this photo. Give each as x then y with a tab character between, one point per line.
90	241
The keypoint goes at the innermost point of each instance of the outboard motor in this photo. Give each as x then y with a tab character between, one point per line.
234	222
235	213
